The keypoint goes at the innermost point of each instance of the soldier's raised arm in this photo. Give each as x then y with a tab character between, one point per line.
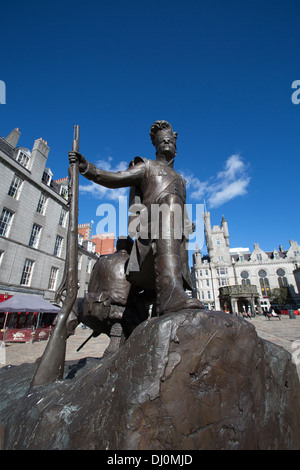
130	177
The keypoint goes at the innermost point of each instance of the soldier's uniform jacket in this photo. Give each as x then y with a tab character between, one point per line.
149	181
158	181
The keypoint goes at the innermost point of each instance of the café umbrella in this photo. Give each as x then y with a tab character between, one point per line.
28	303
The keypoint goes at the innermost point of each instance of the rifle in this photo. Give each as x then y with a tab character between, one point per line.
93	335
51	366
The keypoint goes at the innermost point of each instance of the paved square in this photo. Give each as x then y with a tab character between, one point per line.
284	332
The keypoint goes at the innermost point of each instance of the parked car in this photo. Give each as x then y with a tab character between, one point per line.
286	312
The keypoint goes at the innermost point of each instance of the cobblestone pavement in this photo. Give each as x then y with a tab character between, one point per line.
20	353
284	332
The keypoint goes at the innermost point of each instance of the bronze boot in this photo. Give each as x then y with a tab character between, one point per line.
116	339
170	294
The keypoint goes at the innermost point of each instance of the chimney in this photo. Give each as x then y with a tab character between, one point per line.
39	157
40	145
13	137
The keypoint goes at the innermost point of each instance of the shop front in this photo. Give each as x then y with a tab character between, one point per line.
25	318
240	299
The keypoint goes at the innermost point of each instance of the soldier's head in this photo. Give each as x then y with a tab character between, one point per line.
164	140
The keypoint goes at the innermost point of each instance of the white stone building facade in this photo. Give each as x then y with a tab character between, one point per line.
255	271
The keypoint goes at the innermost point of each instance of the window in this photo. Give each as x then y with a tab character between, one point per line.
27	272
53	278
58	245
90	247
282	280
265	287
259	257
207	282
262	273
264	282
208	294
89	265
280	272
218	241
245	278
15	186
80	239
64	191
5	222
1	256
23	158
35	235
79	261
241	258
47	176
41	207
264	305
62	218
222	271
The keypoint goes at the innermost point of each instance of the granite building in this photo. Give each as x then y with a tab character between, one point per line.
33	222
237	280
104	242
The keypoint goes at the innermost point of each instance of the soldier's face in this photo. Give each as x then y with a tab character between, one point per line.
165	144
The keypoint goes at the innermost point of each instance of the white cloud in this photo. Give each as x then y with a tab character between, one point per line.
233	167
196	188
107	164
229	183
100	192
228	192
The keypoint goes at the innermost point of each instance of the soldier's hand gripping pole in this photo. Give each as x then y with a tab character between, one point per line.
51	366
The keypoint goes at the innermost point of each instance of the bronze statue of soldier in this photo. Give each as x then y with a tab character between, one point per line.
154	183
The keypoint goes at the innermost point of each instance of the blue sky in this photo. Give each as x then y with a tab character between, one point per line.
220	71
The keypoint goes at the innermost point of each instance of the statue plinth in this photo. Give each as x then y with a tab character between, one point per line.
187	380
